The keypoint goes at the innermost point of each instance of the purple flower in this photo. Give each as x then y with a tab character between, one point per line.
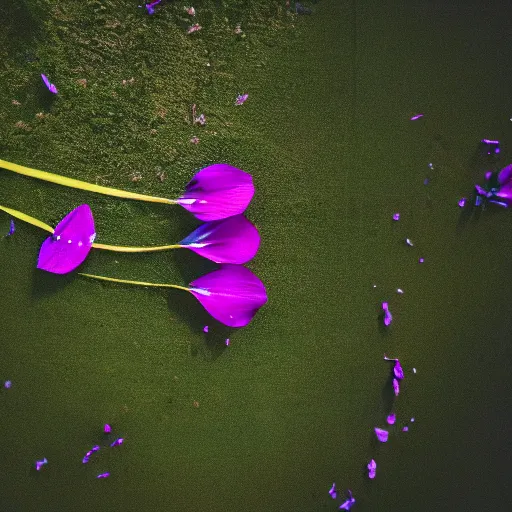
217	191
398	370
241	99
205	328
70	243
41	463
372	469
232	294
117	442
103	475
388	317
417	116
50	86
396	216
382	435
405	429
421	260
396	387
349	502
462	202
7	384
332	491
232	240
391	419
107	428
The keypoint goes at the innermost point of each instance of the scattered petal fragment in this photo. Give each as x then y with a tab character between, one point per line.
117	442
382	435
241	99
416	116
396	387
391	419
151	9
408	242
462	202
41	463
396	216
332	491
107	428
205	328
7	384
388	317
50	86
103	475
372	469
194	28
349	502
12	229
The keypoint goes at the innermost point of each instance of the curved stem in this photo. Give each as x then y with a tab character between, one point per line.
118	248
140	283
82	185
125	248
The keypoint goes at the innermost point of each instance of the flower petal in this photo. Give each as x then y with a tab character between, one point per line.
232	240
232	294
217	191
382	435
70	244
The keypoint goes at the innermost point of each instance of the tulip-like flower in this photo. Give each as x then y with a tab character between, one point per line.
233	240
232	294
215	192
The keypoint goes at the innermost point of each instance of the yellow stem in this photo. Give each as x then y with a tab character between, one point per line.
140	283
117	248
82	185
124	248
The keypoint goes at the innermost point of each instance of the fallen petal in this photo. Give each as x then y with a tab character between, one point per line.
117	442
241	98
103	475
396	387
462	202
205	328
391	419
372	468
41	463
417	116
388	317
50	86
408	242
107	428
7	384
332	491
396	216
348	504
382	435
398	370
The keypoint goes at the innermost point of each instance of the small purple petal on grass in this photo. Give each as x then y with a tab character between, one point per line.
107	428
241	98
151	7
218	191
103	475
227	342
426	181
7	384
416	116
233	240
50	86
388	317
347	505
70	243
382	435
41	463
205	328
117	442
405	429
95	448
398	370
391	419
332	491
396	216
12	229
372	469
232	294
462	202
396	387
421	260
412	420
408	242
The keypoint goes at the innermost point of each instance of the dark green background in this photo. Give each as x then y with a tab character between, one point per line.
290	406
